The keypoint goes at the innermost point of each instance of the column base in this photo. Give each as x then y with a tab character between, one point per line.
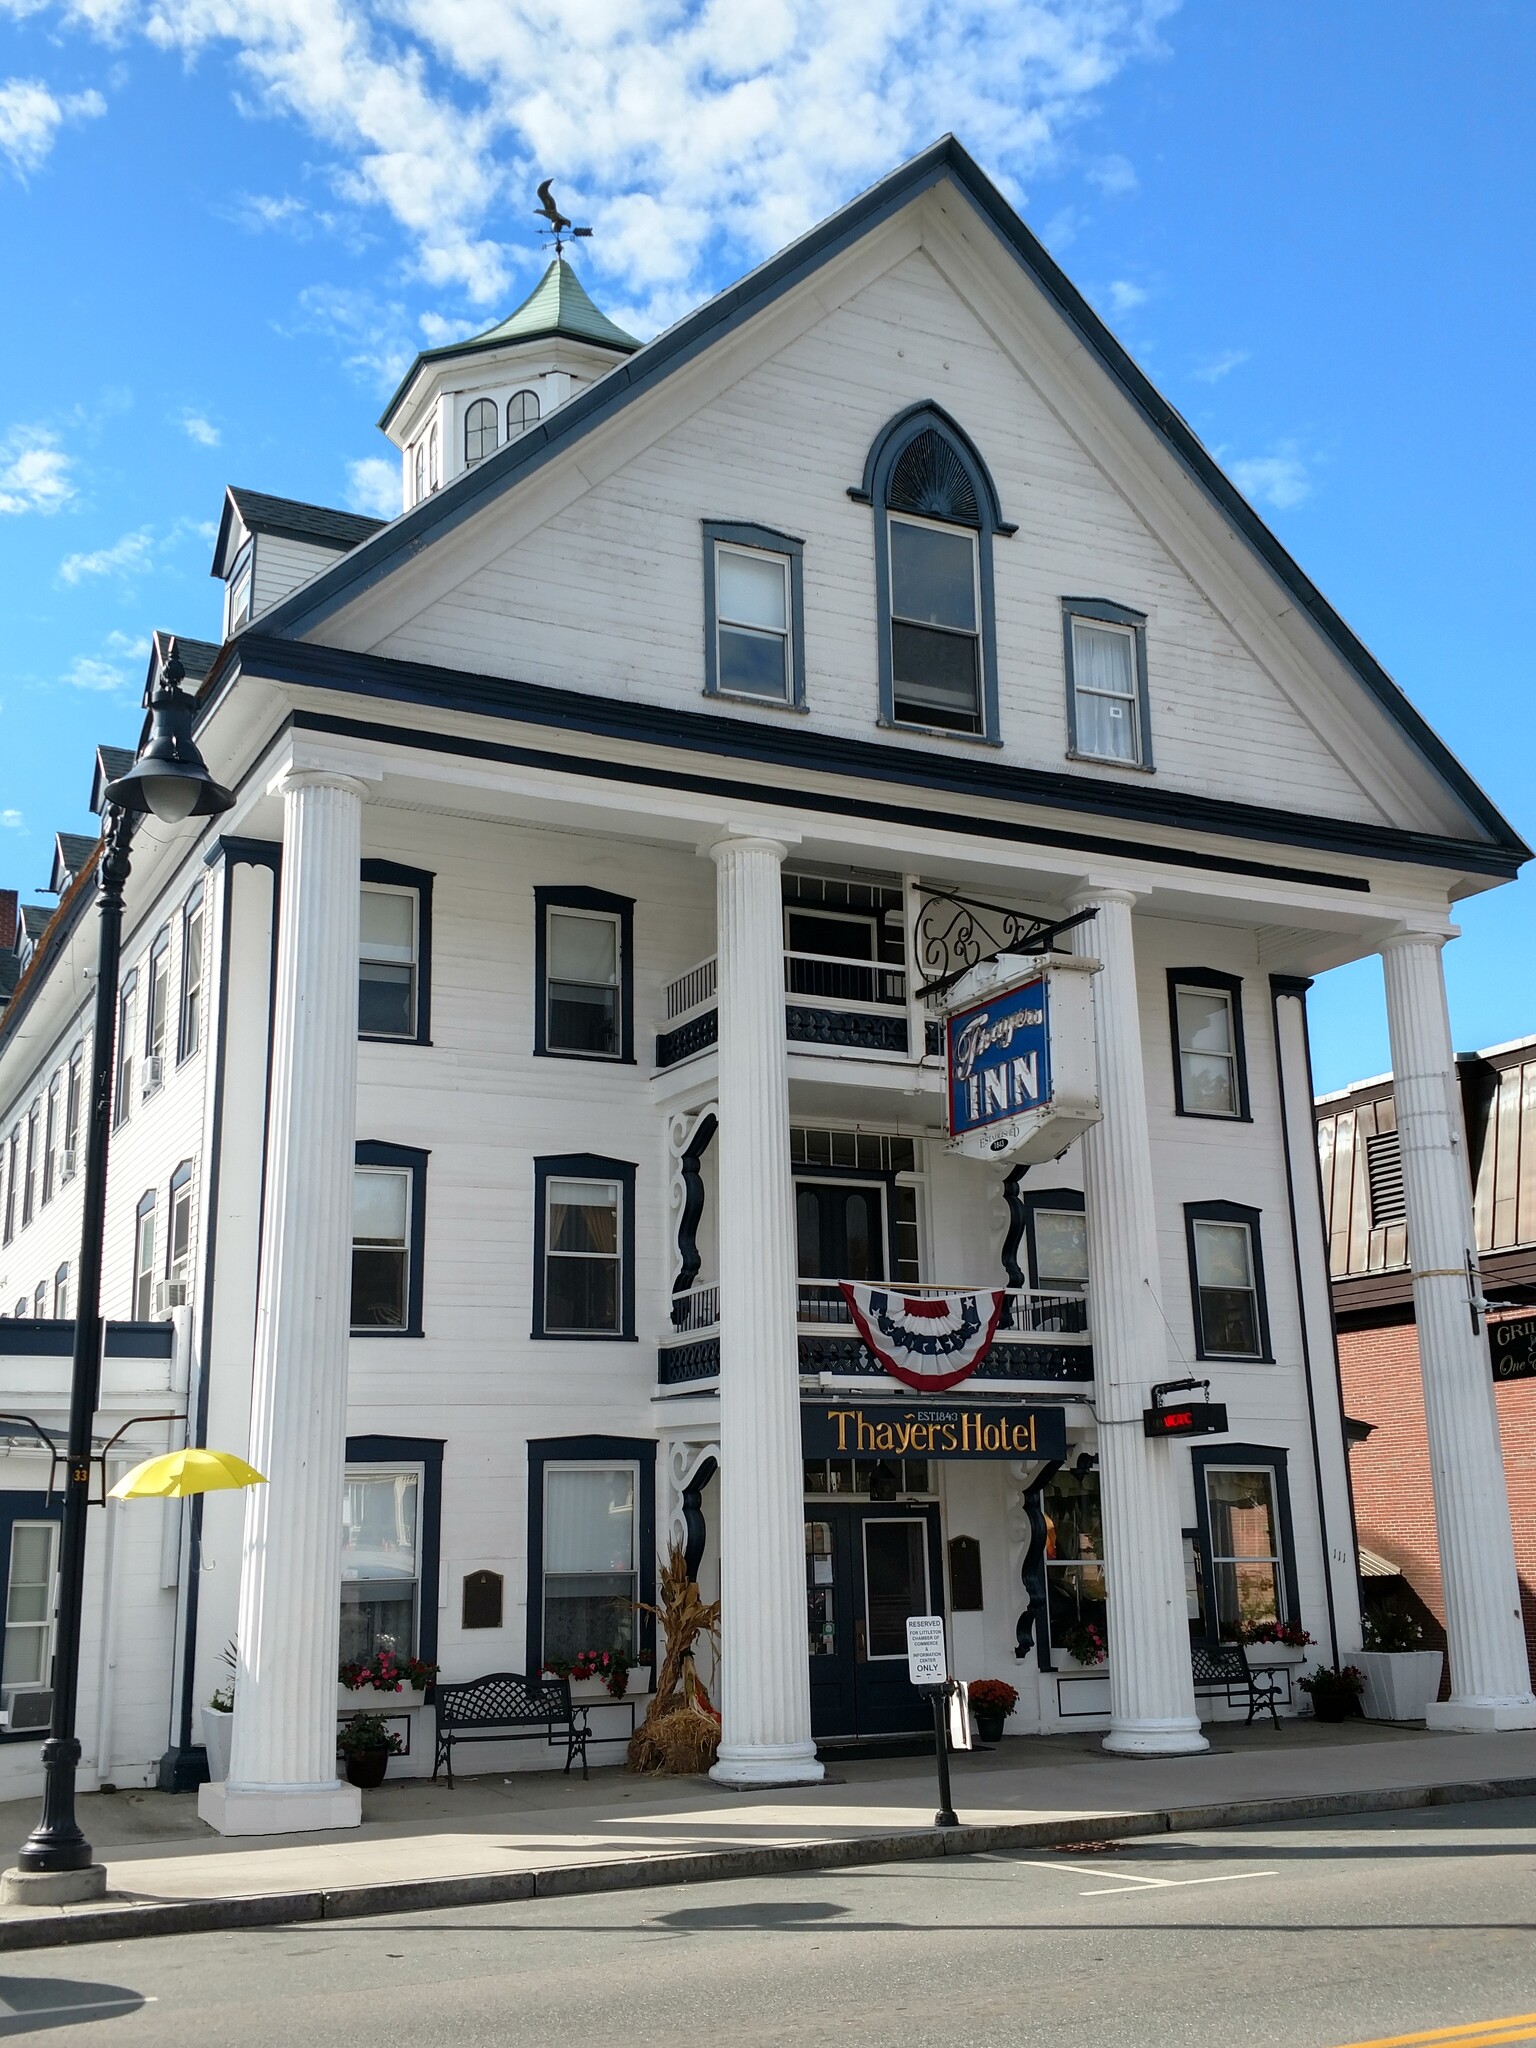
1155	1738
1482	1717
279	1809
53	1887
765	1764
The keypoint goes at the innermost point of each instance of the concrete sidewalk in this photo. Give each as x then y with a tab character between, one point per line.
541	1834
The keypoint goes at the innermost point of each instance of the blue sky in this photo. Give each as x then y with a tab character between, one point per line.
226	228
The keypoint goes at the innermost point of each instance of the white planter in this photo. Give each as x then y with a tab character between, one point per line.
1399	1684
1267	1656
368	1700
590	1690
217	1729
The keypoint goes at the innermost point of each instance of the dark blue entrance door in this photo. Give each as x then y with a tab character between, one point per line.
867	1568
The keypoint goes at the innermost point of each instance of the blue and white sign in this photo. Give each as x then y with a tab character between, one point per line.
1021	1059
999	1058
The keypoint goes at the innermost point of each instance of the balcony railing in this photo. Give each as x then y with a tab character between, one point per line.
856	1005
1042	1335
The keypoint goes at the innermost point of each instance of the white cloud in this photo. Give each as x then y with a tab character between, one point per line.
1221	366
129	556
13	821
1279	479
34	472
1114	176
202	431
118	665
373	486
31	117
1124	297
695	138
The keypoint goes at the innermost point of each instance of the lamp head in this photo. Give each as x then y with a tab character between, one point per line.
170	777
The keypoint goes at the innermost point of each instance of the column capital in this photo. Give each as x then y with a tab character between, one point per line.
745	838
1418	935
1089	894
295	777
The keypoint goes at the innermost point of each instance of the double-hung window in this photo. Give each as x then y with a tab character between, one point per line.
935	625
1106	655
380	1562
29	1607
1077	1596
51	1128
1205	1016
73	1102
386	987
591	1557
753	611
1245	1571
29	1178
584	994
584	1247
389	1185
144	1258
1227	1280
61	1293
12	1169
40	1300
189	1034
178	1240
127	1012
157	1012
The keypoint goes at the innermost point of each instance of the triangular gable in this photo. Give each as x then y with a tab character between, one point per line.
473	491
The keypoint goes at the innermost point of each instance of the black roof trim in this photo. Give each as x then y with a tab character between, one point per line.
959	776
470	491
290	519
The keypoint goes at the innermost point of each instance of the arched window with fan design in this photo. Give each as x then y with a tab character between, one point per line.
936	512
482	435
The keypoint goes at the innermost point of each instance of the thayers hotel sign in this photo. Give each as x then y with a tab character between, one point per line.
972	1429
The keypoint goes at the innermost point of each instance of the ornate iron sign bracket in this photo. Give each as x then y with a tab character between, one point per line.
955	933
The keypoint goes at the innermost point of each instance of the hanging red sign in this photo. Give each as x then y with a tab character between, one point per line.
929	1342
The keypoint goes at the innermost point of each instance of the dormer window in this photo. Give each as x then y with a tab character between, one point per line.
522	413
421	472
434	472
481	430
240	589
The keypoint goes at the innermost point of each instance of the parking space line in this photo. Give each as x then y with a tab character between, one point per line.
1128	1880
1517	2026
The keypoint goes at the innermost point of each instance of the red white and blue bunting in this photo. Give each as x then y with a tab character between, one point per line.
929	1342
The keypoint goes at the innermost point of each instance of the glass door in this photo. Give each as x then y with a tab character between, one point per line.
840	1229
899	1577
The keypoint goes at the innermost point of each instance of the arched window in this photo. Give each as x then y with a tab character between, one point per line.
481	436
522	413
421	472
935	515
40	1300
433	472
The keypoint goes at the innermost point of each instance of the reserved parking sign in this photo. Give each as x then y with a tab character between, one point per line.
926	1661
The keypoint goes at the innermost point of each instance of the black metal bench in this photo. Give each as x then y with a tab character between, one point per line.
1225	1669
505	1706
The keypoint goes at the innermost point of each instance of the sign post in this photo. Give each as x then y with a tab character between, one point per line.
928	1669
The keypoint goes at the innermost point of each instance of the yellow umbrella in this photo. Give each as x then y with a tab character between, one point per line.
182	1472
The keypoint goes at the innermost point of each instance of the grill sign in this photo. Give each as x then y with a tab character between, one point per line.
1513	1348
1022	1079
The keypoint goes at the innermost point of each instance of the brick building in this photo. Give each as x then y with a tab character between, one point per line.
1373	1308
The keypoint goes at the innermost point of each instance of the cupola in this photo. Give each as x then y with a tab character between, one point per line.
457	405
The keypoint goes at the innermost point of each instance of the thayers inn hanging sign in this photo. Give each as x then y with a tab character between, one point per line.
1020	1056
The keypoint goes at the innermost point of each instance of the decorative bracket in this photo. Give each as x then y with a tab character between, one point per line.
953	933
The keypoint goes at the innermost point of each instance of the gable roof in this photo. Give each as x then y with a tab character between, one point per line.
557	305
111	762
472	490
71	851
291	519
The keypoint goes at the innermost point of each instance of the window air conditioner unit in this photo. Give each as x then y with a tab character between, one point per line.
154	1072
170	1294
68	1159
26	1706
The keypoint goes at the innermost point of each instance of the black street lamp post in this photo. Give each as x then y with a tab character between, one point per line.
169	779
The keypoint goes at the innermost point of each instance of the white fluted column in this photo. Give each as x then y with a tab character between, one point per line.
765	1684
1151	1691
282	1774
1490	1674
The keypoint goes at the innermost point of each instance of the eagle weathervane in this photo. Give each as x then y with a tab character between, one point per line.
557	226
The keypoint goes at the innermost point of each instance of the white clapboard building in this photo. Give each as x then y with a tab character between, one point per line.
507	1083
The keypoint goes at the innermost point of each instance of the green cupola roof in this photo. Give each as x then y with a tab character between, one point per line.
558	304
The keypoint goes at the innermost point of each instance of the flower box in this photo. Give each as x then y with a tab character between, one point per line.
1265	1656
595	1690
1399	1684
367	1699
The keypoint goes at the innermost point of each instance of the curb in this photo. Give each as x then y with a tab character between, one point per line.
129	1917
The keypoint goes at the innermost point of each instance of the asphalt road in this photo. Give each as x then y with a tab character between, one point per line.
1309	1937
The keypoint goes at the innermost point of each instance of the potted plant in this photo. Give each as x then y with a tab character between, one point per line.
366	1743
405	1679
1274	1642
992	1701
1334	1690
1084	1643
219	1721
1402	1678
593	1673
